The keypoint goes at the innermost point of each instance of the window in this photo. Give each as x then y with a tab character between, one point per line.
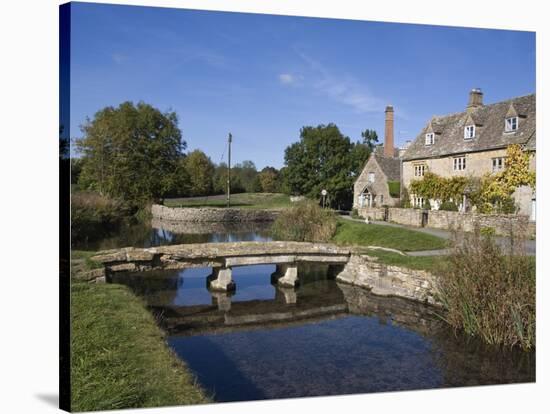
418	201
381	200
470	132
511	124
371	177
430	139
459	163
498	164
419	170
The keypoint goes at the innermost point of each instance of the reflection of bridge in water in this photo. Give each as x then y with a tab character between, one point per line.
315	301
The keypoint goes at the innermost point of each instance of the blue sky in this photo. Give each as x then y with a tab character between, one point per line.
263	77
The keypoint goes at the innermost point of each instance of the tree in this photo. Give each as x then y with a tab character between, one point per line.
322	159
200	169
269	180
360	154
131	152
247	174
370	138
220	180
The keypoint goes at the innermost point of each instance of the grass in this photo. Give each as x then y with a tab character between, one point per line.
305	221
119	357
242	200
433	264
361	234
489	293
86	258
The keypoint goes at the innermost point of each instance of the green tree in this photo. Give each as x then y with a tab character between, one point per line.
131	152
322	159
360	154
220	180
370	138
269	180
247	174
200	170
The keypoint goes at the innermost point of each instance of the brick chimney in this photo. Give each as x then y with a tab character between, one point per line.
476	99
388	136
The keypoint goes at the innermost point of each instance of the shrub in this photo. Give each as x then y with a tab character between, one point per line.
488	293
94	216
305	221
354	213
488	231
394	188
448	206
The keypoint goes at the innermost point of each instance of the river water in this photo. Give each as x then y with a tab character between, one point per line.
323	338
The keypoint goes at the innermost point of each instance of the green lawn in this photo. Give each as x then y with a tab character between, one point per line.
428	263
242	200
361	234
119	358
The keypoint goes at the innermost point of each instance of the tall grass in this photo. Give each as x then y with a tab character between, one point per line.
94	216
489	290
305	221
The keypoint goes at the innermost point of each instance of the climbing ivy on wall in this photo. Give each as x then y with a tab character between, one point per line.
496	189
435	187
490	193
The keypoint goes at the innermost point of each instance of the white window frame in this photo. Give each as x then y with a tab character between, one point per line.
430	138
418	201
419	170
498	163
371	177
469	132
459	163
511	124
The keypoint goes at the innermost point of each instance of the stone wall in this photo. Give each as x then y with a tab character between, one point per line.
375	213
385	280
208	215
454	220
405	216
502	223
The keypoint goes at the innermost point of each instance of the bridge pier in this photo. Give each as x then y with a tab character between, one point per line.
223	300
288	294
289	275
220	279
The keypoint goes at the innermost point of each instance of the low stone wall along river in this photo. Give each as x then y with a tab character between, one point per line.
212	215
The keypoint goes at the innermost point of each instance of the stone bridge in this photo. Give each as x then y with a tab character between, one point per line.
222	257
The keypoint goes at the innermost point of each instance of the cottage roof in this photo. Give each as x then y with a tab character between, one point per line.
390	166
489	121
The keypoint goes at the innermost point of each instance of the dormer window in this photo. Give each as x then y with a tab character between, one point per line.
430	138
469	132
511	124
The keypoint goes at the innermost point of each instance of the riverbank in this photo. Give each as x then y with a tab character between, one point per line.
119	355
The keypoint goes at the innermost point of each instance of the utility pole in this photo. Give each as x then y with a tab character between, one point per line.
229	139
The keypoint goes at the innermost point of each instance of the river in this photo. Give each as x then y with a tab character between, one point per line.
323	338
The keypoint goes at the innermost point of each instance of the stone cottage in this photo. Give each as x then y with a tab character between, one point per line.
378	184
473	142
